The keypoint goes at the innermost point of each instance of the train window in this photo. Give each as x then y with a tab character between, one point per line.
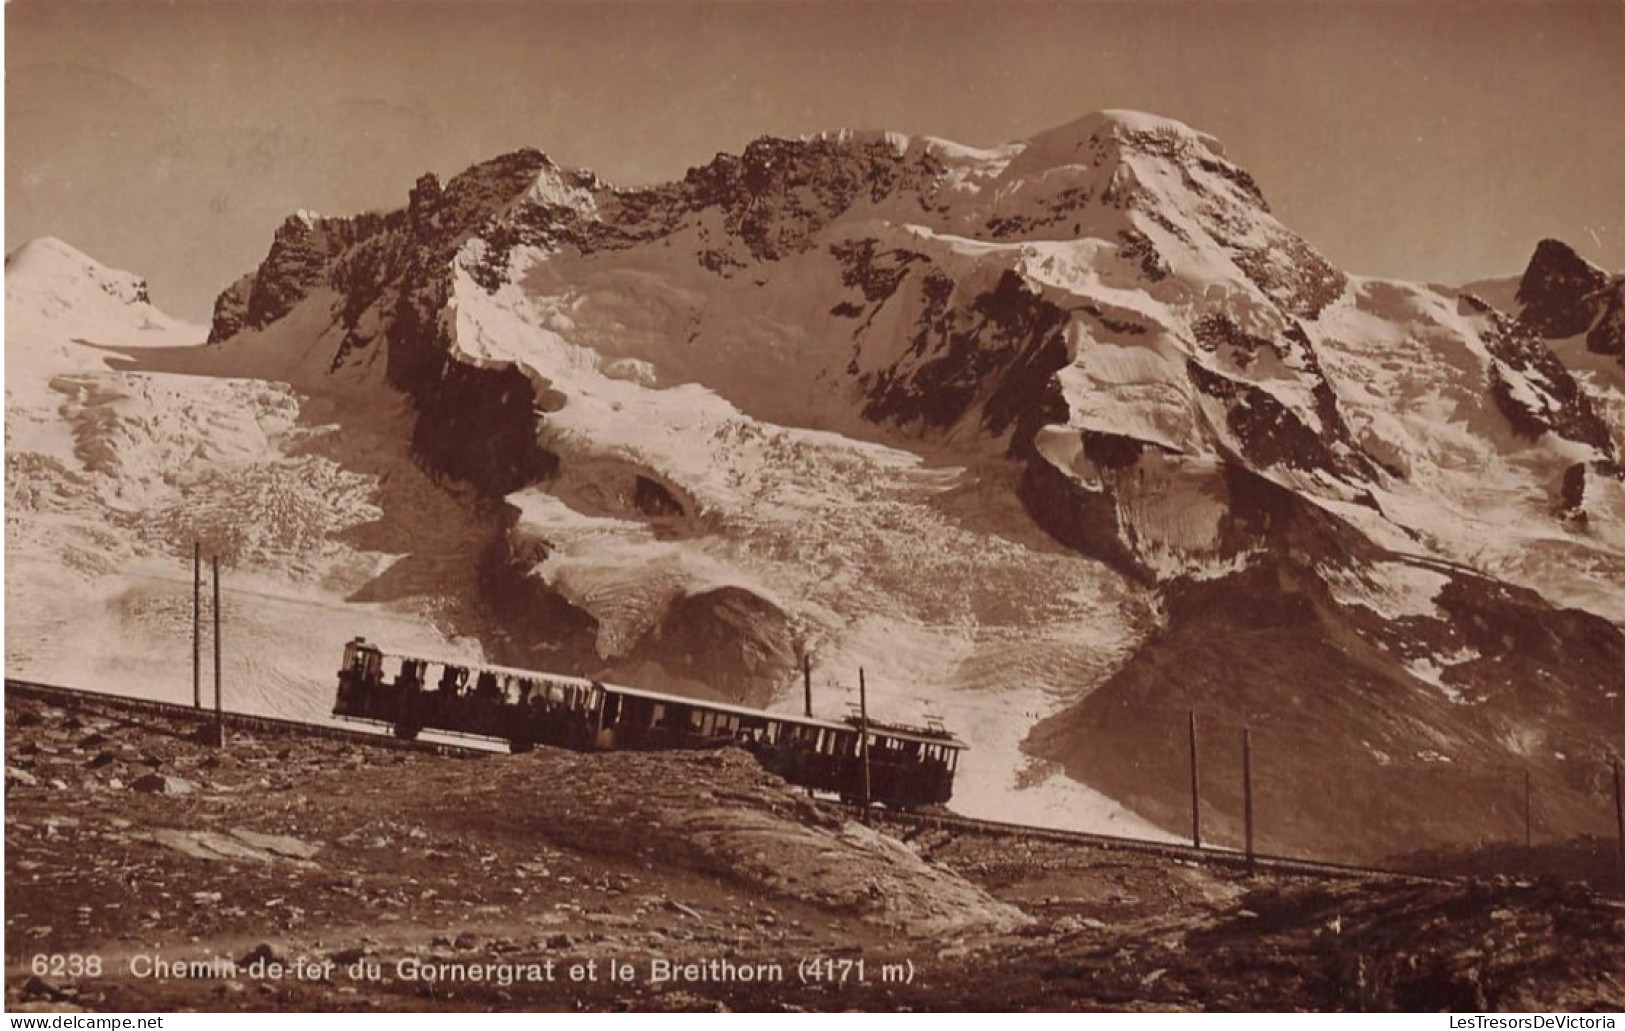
658	718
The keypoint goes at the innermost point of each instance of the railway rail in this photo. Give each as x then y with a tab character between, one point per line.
81	698
1169	850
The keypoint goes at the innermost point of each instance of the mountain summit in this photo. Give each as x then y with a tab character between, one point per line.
60	303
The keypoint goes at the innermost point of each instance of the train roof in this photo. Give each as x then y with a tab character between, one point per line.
901	731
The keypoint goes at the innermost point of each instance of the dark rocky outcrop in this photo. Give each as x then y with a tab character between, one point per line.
1561	292
735	642
1546	396
1608	335
996	350
476	424
302	257
1579	481
779	193
1082	519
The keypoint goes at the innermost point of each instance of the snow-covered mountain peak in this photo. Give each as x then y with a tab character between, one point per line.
1124	128
67	317
49	268
58	298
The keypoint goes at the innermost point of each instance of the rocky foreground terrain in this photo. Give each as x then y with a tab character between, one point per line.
339	876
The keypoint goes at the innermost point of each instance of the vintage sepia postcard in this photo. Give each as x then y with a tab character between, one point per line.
815	506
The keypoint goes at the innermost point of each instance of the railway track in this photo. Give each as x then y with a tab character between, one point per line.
83	699
1171	851
80	698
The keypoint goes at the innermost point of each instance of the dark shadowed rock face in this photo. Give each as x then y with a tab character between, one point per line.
1353	757
1082	519
302	258
231	310
1580	481
1548	398
1561	292
735	641
544	630
997	350
1608	335
1268	431
779	193
477	424
297	262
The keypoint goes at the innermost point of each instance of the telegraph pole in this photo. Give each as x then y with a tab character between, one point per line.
197	625
1196	790
219	711
1528	813
1247	788
863	742
806	681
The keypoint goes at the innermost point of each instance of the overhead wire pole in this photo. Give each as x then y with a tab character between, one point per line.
219	710
197	625
1247	789
863	740
1196	790
806	681
1528	813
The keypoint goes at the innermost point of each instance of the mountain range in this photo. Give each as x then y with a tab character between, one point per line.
1062	441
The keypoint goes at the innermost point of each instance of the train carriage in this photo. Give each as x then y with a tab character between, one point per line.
899	765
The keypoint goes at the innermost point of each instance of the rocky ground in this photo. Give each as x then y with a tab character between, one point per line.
337	876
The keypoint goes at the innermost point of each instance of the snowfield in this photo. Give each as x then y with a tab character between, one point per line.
113	473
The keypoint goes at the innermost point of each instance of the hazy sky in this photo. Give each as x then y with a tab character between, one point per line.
1426	140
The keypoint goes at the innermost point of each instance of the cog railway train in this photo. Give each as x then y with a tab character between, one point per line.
906	766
